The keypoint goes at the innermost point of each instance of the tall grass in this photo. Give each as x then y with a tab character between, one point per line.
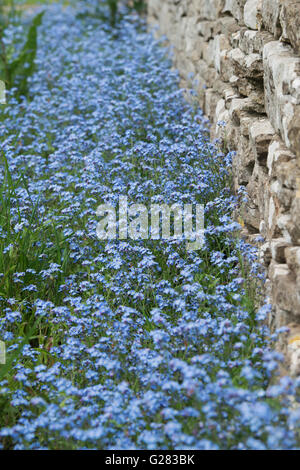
15	70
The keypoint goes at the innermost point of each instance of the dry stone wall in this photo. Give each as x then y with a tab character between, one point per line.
243	57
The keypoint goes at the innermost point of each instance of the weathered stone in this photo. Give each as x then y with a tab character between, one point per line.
252	13
277	248
240	106
221	43
253	89
234	7
293	353
265	255
211	100
252	42
205	29
290	23
278	154
284	225
284	288
261	133
282	91
251	213
227	26
293	133
270	16
295	215
249	66
286	174
282	195
208	10
208	52
235	39
292	256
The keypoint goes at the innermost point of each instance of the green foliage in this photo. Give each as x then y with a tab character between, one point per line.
30	244
139	5
17	71
113	8
7	11
114	15
2	92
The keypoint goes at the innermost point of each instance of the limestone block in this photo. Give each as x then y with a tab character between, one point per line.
261	133
240	106
282	91
282	195
208	10
200	87
153	8
295	216
271	212
229	6
277	248
292	256
229	94
246	120
290	23
287	173
221	43
226	69
206	29
194	48
236	8
227	25
264	254
211	100
251	215
294	132
235	39
164	18
245	161
252	42
263	230
179	9
208	52
243	65
277	154
265	202
284	288
191	32
186	66
284	226
208	74
270	16
219	86
293	354
252	88
252	13
221	116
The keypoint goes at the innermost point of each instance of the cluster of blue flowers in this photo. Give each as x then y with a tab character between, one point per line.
124	344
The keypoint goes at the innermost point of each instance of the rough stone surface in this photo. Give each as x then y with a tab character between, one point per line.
244	57
252	13
290	23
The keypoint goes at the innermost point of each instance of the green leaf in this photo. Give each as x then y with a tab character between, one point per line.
22	67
